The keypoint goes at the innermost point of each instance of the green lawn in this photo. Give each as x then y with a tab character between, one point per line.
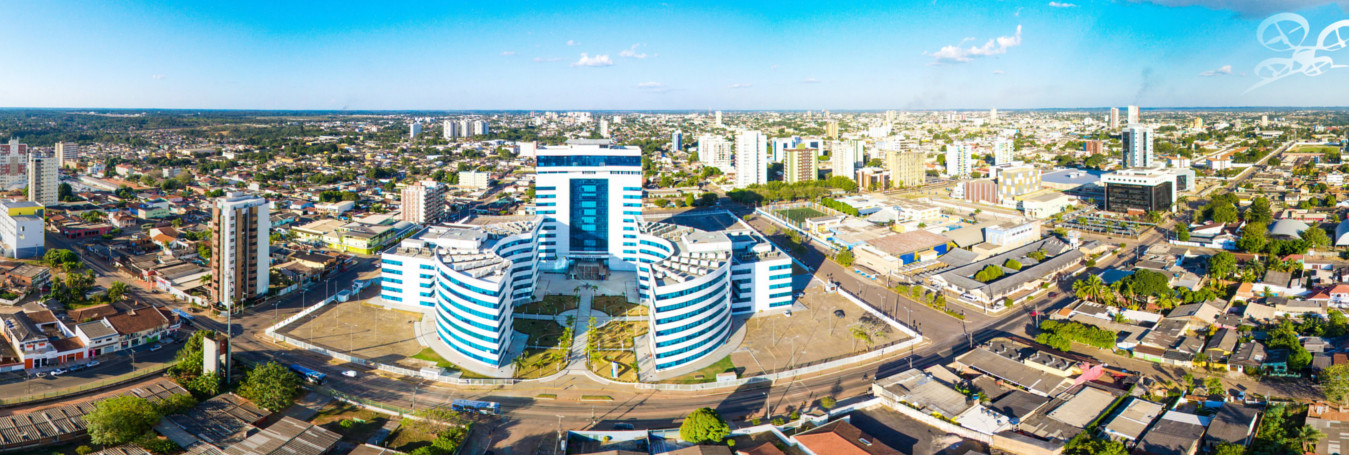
1315	149
550	305
541	333
430	355
800	214
708	374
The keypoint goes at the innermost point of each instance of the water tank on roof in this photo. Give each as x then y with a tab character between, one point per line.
762	248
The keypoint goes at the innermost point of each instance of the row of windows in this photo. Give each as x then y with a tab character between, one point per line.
632	204
445	330
711	295
427	267
779	277
632	188
546	204
391	280
685	292
391	262
687	326
656	244
546	196
391	271
482	303
780	294
780	285
466	309
391	298
470	287
588	161
690	336
632	196
426	276
547	212
706	348
472	323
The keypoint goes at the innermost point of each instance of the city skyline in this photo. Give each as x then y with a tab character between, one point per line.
680	56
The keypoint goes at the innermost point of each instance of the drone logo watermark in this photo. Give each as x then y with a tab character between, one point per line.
1287	32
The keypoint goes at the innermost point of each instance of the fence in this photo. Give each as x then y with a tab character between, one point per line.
96	385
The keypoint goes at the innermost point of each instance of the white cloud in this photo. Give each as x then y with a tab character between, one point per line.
652	85
998	72
1250	8
157	77
572	42
1062	5
631	52
507	53
1221	71
597	60
958	54
547	59
740	86
810	80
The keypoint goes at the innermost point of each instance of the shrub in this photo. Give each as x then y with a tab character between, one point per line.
827	402
346	424
1012	264
795	415
778	421
84	450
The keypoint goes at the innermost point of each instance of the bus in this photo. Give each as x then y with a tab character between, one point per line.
480	407
310	376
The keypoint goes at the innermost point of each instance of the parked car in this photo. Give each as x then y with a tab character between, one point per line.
156	347
59	371
1053	295
349	373
92	363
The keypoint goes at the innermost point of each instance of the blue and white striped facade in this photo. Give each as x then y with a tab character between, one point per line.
472	276
694	281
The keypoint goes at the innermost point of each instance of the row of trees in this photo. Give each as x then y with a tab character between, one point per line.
782	191
836	205
1061	335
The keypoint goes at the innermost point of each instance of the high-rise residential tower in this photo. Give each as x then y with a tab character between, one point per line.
800	165
958	163
1137	151
1133	115
676	141
414	130
67	153
844	157
240	248
751	167
1114	118
424	202
42	179
717	152
451	130
1002	152
906	168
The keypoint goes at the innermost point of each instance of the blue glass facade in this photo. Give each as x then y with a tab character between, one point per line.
589	161
589	214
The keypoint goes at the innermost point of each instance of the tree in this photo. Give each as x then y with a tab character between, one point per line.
827	402
1222	265
1182	232
1253	238
62	259
989	273
121	419
1012	264
116	291
1092	288
271	386
1307	435
1259	212
844	258
175	404
1224	213
702	426
1335	380
1085	444
1315	237
1227	448
65	193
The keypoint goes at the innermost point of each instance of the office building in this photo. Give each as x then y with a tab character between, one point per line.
21	230
1133	115
676	141
958	158
1002	152
67	153
1138	191
589	221
780	146
240	248
873	179
982	190
42	179
1016	180
604	127
717	152
13	163
481	128
451	130
1198	123
693	281
1093	147
475	179
800	165
906	168
844	157
1114	118
1137	141
750	166
414	130
423	202
831	129
590	193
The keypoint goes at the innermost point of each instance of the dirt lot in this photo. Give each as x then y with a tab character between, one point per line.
366	331
811	336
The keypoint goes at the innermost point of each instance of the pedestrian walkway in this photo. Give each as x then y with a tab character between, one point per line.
576	359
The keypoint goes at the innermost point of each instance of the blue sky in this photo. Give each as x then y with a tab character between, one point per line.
896	54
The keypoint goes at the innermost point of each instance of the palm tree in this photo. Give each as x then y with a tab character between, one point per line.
1093	288
1308	435
116	291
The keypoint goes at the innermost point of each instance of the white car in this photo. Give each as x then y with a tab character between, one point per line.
349	373
59	371
92	363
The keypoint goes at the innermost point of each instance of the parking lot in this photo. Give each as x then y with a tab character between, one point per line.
363	330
